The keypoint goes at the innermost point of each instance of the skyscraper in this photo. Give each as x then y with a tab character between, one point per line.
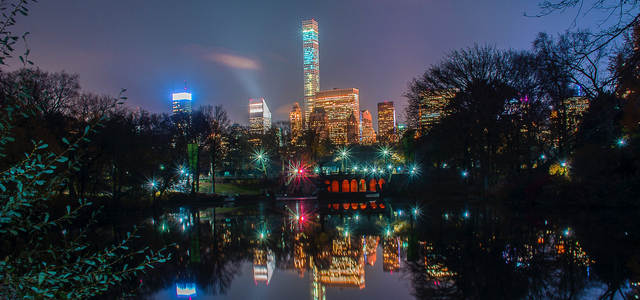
339	105
368	134
310	64
181	102
259	116
387	122
295	119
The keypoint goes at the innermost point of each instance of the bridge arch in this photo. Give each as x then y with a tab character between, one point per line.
345	186
335	186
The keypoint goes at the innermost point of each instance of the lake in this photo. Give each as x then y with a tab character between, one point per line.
390	250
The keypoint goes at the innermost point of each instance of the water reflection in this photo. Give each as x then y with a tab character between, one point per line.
397	251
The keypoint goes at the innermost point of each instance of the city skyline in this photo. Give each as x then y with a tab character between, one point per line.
227	61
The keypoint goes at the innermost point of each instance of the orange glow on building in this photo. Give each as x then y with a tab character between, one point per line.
368	134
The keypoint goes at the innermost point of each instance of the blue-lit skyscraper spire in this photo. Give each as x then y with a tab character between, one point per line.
311	64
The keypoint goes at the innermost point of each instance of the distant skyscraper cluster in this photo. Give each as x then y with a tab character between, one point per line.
330	114
335	114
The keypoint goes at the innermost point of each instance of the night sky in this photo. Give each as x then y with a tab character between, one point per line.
228	51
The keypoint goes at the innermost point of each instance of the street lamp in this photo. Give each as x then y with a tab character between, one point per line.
385	152
152	185
344	154
260	156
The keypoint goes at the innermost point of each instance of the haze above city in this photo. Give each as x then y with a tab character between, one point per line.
231	51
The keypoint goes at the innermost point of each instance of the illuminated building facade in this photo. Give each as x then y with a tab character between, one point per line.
387	122
263	265
181	102
391	254
339	105
575	108
371	249
432	109
318	123
259	116
295	119
310	64
353	129
368	133
346	268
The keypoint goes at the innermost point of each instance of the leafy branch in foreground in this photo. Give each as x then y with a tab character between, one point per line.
47	254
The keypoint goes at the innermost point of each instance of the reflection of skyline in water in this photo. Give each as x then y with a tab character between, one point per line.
339	252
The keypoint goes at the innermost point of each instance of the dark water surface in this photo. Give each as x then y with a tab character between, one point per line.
391	250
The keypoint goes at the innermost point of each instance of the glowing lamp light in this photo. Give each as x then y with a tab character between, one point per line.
181	96
185	289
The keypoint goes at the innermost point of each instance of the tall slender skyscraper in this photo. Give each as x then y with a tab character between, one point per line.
386	122
310	64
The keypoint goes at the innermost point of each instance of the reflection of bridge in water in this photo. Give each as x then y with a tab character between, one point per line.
353	183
